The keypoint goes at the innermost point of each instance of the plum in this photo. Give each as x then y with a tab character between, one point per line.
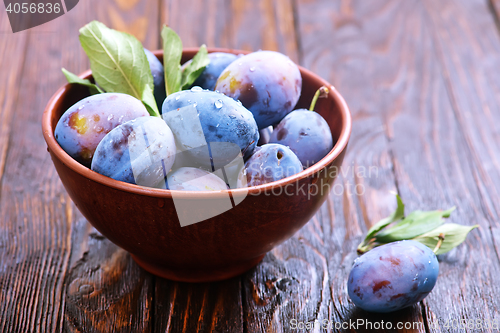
218	62
306	133
210	128
194	179
268	84
393	276
140	151
82	126
158	78
269	163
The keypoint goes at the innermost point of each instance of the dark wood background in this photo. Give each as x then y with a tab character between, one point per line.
422	79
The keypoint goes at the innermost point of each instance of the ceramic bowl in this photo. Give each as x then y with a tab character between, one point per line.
146	223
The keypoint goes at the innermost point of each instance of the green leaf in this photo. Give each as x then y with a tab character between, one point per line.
195	68
73	78
454	235
118	63
172	53
413	225
397	215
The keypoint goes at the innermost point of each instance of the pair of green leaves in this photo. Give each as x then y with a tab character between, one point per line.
119	64
426	227
177	79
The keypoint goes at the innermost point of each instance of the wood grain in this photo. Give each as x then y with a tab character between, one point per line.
105	290
108	292
420	79
305	278
394	74
41	233
203	307
35	212
11	68
218	307
474	155
138	18
237	24
199	22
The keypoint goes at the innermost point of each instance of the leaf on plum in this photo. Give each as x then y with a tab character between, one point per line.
172	54
195	68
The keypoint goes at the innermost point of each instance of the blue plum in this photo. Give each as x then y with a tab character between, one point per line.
268	84
194	179
306	133
82	126
140	151
393	276
158	78
269	163
218	62
210	128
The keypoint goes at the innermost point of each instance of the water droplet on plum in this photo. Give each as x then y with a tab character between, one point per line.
218	104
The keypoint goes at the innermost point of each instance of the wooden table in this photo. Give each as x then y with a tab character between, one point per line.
422	80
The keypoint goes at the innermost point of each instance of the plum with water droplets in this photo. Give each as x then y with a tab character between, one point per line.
268	84
211	129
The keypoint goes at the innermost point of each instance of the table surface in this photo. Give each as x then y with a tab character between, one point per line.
422	81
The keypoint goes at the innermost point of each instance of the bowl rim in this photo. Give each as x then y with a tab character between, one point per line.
55	149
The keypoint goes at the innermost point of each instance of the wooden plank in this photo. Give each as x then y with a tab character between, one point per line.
138	18
12	48
238	24
305	279
107	291
122	293
212	19
467	48
201	307
46	245
384	58
218	306
30	285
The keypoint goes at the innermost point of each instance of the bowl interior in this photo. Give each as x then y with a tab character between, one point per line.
333	109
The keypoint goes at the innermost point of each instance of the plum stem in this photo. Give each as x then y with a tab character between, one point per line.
365	246
439	243
320	93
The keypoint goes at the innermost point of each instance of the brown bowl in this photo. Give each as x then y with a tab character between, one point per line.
144	221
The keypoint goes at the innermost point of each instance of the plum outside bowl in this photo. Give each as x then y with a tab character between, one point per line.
144	221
